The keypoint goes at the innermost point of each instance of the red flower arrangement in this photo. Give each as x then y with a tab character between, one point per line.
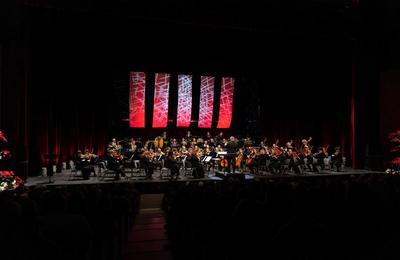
5	154
3	137
394	152
8	180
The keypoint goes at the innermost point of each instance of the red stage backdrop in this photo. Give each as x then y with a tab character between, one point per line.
161	94
226	103
137	99
184	101
206	101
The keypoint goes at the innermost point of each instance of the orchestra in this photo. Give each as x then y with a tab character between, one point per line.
229	155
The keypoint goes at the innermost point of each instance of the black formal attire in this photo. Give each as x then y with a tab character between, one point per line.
172	164
198	171
231	148
148	166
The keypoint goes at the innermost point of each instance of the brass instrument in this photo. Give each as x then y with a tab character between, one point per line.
158	142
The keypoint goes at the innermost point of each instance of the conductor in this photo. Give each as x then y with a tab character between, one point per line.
231	148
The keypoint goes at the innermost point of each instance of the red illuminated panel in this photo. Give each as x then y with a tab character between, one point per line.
184	101
161	93
206	101
226	103
136	99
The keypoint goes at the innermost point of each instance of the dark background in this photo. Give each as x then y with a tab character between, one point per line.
302	68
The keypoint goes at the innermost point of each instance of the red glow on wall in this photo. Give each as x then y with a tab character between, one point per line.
226	103
161	94
184	101
137	99
206	101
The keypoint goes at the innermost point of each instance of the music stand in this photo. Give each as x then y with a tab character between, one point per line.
207	159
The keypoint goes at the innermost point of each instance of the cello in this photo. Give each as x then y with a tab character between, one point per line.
239	159
250	158
223	162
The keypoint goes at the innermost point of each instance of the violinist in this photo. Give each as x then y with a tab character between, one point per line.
81	164
131	148
172	164
89	159
147	163
337	159
320	155
198	171
157	158
292	155
114	146
114	158
306	153
276	158
251	161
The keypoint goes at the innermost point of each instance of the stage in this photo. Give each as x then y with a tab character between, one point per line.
161	180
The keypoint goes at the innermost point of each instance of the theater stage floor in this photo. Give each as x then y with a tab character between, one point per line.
68	178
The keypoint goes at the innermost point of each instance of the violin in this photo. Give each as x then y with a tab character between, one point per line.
276	151
116	155
293	154
306	151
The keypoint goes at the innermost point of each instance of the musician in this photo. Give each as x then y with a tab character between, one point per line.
113	146
198	171
83	163
224	142
218	149
251	161
276	159
148	165
164	136
174	144
232	148
132	147
320	155
218	138
92	159
306	153
157	158
337	159
291	153
172	164
239	160
114	158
